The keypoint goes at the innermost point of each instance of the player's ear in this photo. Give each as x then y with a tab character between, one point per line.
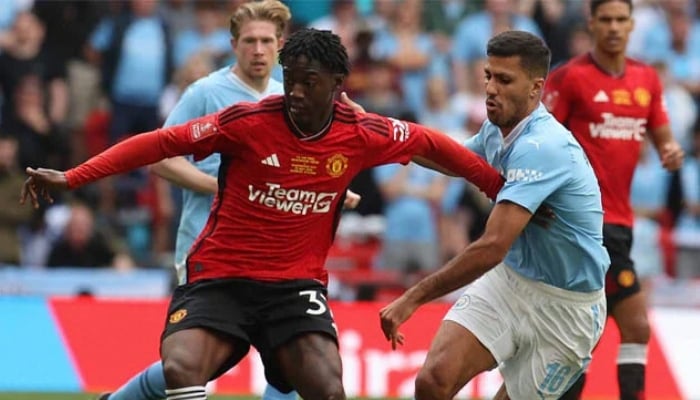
537	87
338	80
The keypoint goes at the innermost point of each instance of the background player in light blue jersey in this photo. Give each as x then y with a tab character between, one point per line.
256	30
538	306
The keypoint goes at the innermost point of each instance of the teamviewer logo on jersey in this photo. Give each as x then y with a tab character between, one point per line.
295	201
272	161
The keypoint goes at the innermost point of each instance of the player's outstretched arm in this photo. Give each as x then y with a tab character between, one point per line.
443	154
505	223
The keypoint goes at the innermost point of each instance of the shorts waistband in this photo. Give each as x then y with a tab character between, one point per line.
568	296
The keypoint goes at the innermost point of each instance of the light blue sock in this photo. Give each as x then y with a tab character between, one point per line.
273	394
149	384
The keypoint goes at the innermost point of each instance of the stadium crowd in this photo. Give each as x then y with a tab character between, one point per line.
78	76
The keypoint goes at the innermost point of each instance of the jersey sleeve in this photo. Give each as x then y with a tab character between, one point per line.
532	176
558	94
390	141
200	137
658	115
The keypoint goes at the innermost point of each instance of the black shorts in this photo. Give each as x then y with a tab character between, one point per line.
263	314
621	281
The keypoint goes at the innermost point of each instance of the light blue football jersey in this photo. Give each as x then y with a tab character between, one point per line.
543	163
218	90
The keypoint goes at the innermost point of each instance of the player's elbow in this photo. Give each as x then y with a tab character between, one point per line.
494	250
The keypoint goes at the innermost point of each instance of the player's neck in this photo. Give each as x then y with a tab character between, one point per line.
257	84
613	64
312	128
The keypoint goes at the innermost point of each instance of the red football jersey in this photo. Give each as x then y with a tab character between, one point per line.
610	117
281	193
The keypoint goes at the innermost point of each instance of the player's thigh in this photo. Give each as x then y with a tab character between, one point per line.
198	353
311	364
297	325
454	358
204	332
621	280
558	337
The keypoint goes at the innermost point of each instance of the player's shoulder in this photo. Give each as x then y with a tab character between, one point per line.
245	109
365	122
545	133
211	80
636	66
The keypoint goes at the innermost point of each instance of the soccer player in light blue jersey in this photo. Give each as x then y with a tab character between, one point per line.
256	29
535	305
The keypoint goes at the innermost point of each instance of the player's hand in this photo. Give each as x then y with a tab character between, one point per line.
355	107
672	156
39	183
352	199
543	216
392	316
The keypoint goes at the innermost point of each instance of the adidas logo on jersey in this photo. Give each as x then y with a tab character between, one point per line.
601	97
272	161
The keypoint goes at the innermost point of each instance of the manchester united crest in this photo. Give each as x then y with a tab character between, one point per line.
642	97
177	316
336	165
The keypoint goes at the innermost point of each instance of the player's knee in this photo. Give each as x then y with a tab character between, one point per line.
332	390
430	386
181	371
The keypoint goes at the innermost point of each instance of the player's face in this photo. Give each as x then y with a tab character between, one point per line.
309	90
611	26
510	91
256	48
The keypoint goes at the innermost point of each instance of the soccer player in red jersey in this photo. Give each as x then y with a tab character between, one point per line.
256	275
611	104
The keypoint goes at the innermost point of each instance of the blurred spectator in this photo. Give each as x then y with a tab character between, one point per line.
650	184
357	81
207	36
303	14
81	245
410	51
688	224
474	32
197	66
682	109
443	16
343	21
437	113
8	12
40	143
647	14
381	95
676	41
411	194
23	57
135	54
178	14
12	216
473	98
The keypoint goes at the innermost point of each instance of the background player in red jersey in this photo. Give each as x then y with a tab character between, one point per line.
612	103
256	273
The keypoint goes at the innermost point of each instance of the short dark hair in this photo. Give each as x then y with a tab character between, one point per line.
597	3
322	46
533	52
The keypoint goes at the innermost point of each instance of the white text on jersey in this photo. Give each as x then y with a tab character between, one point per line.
623	128
296	201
